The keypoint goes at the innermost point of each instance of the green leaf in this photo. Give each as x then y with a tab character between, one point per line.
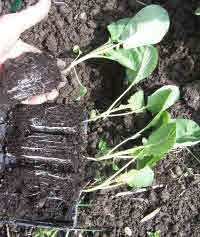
82	90
163	98
149	160
197	12
125	57
114	166
159	143
137	178
154	234
117	28
46	232
187	132
136	101
98	175
147	59
102	148
163	120
162	140
152	23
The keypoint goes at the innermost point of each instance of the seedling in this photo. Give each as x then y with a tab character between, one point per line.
104	149
167	134
153	234
130	44
197	12
45	233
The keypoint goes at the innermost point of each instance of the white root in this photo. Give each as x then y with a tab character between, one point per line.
150	216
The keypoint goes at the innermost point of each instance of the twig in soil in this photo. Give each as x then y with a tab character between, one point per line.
8	231
141	190
60	2
144	4
151	215
51	175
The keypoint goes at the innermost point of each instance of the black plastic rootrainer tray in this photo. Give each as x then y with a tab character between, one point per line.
45	145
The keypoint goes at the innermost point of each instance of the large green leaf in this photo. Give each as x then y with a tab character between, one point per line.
116	29
127	58
161	140
187	132
147	60
135	103
152	23
149	160
163	98
137	178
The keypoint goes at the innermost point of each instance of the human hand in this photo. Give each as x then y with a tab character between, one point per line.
11	27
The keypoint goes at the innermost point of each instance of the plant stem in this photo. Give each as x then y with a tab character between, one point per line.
93	54
126	140
108	181
120	153
136	135
122	114
77	77
118	156
118	99
193	155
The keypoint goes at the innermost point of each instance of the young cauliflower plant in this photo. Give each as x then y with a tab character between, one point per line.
130	44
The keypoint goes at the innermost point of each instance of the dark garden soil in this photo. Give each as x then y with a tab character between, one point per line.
176	187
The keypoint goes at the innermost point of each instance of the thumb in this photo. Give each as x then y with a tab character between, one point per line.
32	15
12	25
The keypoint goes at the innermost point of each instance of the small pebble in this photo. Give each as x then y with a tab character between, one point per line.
174	228
96	234
173	176
83	16
80	235
128	231
178	170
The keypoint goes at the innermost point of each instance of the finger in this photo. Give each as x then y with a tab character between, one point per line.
19	49
42	98
12	25
32	15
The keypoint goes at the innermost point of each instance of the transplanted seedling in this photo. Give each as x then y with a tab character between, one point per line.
167	134
130	44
